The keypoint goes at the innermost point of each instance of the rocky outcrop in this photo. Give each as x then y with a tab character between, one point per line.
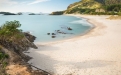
17	59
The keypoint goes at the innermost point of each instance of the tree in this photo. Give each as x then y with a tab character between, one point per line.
10	30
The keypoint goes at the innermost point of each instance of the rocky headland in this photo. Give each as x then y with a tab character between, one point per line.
13	61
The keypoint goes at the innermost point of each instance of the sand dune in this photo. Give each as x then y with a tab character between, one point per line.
96	53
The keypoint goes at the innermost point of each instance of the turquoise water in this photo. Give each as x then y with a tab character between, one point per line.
40	25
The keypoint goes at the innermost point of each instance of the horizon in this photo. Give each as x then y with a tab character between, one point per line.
34	6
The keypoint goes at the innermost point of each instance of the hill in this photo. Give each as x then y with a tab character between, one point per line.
91	6
108	7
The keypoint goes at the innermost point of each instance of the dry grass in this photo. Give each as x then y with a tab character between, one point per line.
114	17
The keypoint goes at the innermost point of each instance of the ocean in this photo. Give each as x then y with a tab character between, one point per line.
42	25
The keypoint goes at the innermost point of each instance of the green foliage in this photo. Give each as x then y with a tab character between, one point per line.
57	13
3	63
10	30
119	13
81	11
3	56
109	7
114	7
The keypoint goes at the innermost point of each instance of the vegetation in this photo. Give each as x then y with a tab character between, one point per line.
3	62
12	44
7	13
94	7
10	31
113	7
57	13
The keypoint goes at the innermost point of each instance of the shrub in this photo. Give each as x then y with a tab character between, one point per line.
10	30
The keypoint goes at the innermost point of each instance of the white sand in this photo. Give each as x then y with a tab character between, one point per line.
96	53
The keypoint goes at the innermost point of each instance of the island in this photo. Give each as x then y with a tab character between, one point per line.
34	14
9	13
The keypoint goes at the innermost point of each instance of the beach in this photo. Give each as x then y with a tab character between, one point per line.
97	52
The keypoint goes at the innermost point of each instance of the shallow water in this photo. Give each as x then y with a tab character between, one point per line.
40	25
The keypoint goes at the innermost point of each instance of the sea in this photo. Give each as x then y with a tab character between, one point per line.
50	28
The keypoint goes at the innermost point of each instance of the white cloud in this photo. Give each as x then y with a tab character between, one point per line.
8	2
37	1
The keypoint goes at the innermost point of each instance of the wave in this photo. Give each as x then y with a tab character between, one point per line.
82	22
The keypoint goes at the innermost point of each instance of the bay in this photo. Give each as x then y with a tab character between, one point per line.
40	25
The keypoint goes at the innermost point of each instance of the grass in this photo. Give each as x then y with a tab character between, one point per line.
114	17
3	62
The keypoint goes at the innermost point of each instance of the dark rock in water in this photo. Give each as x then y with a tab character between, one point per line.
58	30
69	28
48	33
53	36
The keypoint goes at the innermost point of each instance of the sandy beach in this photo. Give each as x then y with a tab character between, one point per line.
96	53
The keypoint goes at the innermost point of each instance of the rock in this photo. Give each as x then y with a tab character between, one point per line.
58	30
30	37
48	33
53	36
69	28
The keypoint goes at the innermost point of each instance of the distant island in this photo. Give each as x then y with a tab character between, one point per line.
19	13
93	7
35	14
9	13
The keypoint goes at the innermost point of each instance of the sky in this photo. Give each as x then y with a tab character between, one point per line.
35	6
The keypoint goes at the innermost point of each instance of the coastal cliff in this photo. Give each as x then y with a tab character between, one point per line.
13	44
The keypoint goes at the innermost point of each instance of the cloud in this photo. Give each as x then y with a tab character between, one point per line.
37	1
8	2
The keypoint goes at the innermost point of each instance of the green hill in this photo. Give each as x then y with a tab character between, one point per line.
99	7
92	6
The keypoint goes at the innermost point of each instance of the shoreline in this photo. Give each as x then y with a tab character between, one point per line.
84	35
96	52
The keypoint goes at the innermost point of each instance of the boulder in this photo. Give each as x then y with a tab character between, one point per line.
53	36
48	33
69	28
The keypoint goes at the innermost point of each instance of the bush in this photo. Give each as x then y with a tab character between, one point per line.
3	56
10	30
